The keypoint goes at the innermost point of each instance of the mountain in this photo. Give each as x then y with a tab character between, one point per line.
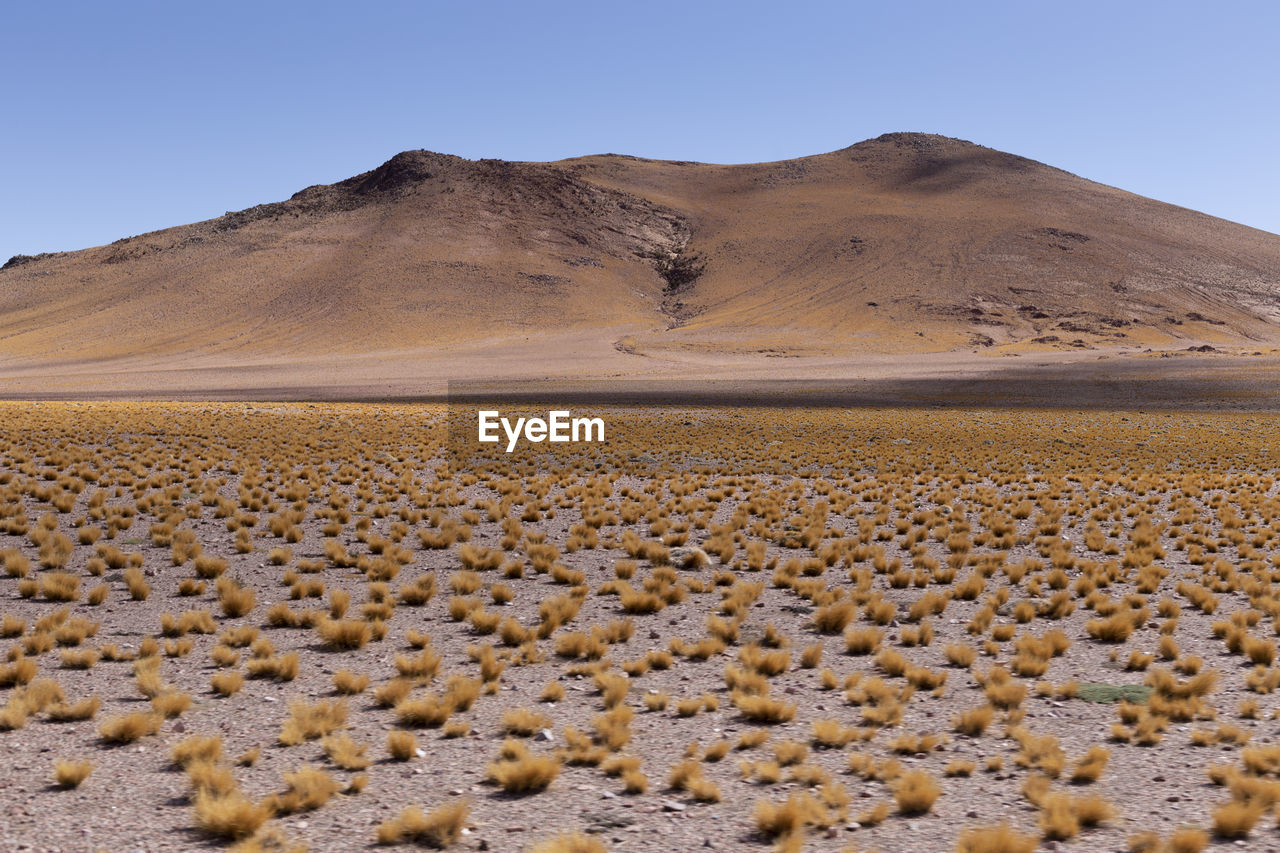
913	248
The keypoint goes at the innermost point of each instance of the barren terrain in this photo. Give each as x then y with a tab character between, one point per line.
727	628
903	254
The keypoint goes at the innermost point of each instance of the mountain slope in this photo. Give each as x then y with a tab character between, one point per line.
961	243
606	264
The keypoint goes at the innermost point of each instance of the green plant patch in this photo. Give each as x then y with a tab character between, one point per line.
1111	693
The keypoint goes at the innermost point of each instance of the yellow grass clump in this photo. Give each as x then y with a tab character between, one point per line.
439	828
518	771
69	774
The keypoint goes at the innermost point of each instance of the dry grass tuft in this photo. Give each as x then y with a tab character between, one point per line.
312	721
231	817
573	842
83	709
995	839
1236	818
401	745
344	634
1090	766
226	683
69	774
915	792
523	722
127	728
346	753
790	818
439	829
1188	840
974	721
518	771
350	683
306	789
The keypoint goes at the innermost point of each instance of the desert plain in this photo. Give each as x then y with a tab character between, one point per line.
327	626
938	510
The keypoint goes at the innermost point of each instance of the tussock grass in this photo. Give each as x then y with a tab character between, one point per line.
127	728
401	745
791	817
1000	838
70	712
350	683
70	774
915	792
763	709
306	789
226	683
518	771
234	599
230	817
195	748
523	722
344	634
439	828
572	842
312	720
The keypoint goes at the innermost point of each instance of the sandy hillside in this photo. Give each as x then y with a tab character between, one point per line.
907	247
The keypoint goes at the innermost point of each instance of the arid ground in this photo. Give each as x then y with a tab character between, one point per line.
905	255
817	628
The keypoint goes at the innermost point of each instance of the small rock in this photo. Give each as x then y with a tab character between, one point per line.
545	736
672	806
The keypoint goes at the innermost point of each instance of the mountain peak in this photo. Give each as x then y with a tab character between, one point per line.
406	169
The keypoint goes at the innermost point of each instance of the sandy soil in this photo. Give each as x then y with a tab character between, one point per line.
582	364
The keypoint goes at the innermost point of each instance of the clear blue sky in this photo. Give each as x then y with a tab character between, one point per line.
118	118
